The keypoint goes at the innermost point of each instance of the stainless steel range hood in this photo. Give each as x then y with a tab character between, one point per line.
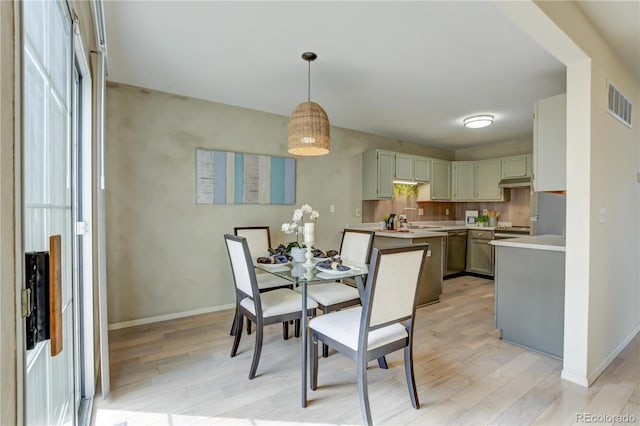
515	182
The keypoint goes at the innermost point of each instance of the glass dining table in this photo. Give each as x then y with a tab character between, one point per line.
301	274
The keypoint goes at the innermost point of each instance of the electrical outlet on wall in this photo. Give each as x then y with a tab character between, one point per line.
358	211
420	212
446	212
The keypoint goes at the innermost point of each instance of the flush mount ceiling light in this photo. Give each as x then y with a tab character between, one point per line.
478	121
308	123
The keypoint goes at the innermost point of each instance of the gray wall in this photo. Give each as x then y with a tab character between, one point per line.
165	255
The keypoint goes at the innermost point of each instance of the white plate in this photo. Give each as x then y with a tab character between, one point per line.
336	272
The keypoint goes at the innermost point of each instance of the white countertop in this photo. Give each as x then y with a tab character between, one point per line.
431	229
536	242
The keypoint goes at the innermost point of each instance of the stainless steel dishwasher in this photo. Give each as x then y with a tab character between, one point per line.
456	252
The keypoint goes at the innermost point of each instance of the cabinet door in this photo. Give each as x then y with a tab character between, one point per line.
441	180
515	167
480	256
422	169
386	172
463	180
549	144
488	180
404	167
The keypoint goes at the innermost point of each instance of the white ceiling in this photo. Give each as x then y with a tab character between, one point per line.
405	70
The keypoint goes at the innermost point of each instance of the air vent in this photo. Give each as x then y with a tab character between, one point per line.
619	105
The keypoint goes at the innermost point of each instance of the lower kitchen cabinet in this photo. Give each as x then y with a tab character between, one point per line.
479	252
430	286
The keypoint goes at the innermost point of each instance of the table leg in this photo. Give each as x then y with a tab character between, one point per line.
360	286
304	344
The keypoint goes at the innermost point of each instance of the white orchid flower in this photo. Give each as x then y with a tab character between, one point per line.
285	228
314	215
306	208
297	215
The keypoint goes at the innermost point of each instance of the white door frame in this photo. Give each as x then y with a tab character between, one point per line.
85	299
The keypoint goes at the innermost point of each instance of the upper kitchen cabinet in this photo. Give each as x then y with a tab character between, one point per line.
518	166
488	175
463	180
404	167
477	180
440	180
378	172
550	144
422	169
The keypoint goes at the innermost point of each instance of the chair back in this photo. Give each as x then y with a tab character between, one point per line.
244	275
392	285
356	246
258	238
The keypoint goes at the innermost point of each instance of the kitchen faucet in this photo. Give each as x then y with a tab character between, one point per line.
415	211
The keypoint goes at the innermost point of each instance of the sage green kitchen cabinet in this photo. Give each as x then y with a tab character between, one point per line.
479	252
516	167
477	180
378	172
463	180
550	144
440	180
487	179
422	169
404	167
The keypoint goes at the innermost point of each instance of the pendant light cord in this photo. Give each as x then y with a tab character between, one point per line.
309	82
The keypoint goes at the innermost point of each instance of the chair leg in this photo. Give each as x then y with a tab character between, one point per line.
232	332
363	391
238	335
411	380
248	326
256	352
313	361
296	329
325	347
285	330
382	363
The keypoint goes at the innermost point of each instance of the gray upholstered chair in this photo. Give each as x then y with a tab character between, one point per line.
259	241
276	306
384	323
355	249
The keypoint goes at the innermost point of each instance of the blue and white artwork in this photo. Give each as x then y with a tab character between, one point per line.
236	178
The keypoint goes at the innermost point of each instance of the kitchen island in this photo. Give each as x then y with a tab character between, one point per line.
529	292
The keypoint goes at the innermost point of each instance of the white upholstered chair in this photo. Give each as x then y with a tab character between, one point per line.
355	249
259	241
384	323
263	308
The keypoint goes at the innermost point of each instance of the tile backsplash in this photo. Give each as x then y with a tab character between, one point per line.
516	211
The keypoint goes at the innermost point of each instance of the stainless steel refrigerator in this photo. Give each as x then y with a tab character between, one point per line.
548	213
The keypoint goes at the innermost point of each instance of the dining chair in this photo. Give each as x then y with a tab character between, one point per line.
263	308
384	323
355	249
259	241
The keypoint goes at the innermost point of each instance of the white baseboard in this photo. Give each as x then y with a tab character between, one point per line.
588	381
143	321
575	378
609	359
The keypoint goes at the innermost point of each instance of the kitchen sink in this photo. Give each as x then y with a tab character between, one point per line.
424	227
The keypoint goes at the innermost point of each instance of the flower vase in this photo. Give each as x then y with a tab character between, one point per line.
309	237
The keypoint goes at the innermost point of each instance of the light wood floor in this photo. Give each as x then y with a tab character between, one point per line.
179	372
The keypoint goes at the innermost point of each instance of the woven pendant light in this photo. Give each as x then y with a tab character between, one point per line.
309	123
